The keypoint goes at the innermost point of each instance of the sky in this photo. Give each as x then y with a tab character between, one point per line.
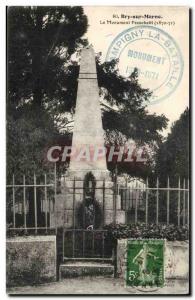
172	23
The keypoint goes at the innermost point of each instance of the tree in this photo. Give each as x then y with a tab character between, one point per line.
125	115
172	158
42	82
131	118
41	41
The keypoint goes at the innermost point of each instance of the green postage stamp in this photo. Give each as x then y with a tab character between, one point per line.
145	263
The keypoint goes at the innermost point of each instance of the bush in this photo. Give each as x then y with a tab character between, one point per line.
141	230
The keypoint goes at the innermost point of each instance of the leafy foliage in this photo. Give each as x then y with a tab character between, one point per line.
131	117
172	158
141	230
41	41
26	141
42	86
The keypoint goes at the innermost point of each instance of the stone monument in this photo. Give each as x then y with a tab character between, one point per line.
88	133
87	182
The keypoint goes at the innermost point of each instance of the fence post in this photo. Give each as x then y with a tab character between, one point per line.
136	202
46	203
168	200
126	187
73	236
55	193
115	193
147	201
93	242
83	243
35	202
63	248
188	203
179	204
184	201
24	202
103	246
103	202
74	185
13	196
157	199
83	209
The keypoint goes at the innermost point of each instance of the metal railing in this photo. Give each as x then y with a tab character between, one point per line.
32	210
83	243
19	204
167	204
81	240
141	203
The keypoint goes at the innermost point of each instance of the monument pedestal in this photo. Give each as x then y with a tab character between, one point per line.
105	197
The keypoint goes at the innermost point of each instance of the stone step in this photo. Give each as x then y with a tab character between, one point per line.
72	269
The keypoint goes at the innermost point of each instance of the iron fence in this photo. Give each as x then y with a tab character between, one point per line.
141	203
82	240
31	204
31	208
83	243
157	204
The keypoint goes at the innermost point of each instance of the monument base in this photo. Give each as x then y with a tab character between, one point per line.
71	199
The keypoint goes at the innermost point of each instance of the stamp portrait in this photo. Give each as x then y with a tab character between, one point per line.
145	263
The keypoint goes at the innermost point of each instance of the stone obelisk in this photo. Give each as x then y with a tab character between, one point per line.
88	134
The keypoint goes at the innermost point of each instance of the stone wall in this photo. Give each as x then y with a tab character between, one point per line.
176	264
30	260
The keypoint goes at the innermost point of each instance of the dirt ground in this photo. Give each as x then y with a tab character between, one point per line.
97	286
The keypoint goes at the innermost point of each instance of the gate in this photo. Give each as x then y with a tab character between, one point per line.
88	238
86	244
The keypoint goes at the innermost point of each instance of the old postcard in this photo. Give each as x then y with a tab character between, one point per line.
98	189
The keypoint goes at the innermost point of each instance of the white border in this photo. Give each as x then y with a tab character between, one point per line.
3	4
